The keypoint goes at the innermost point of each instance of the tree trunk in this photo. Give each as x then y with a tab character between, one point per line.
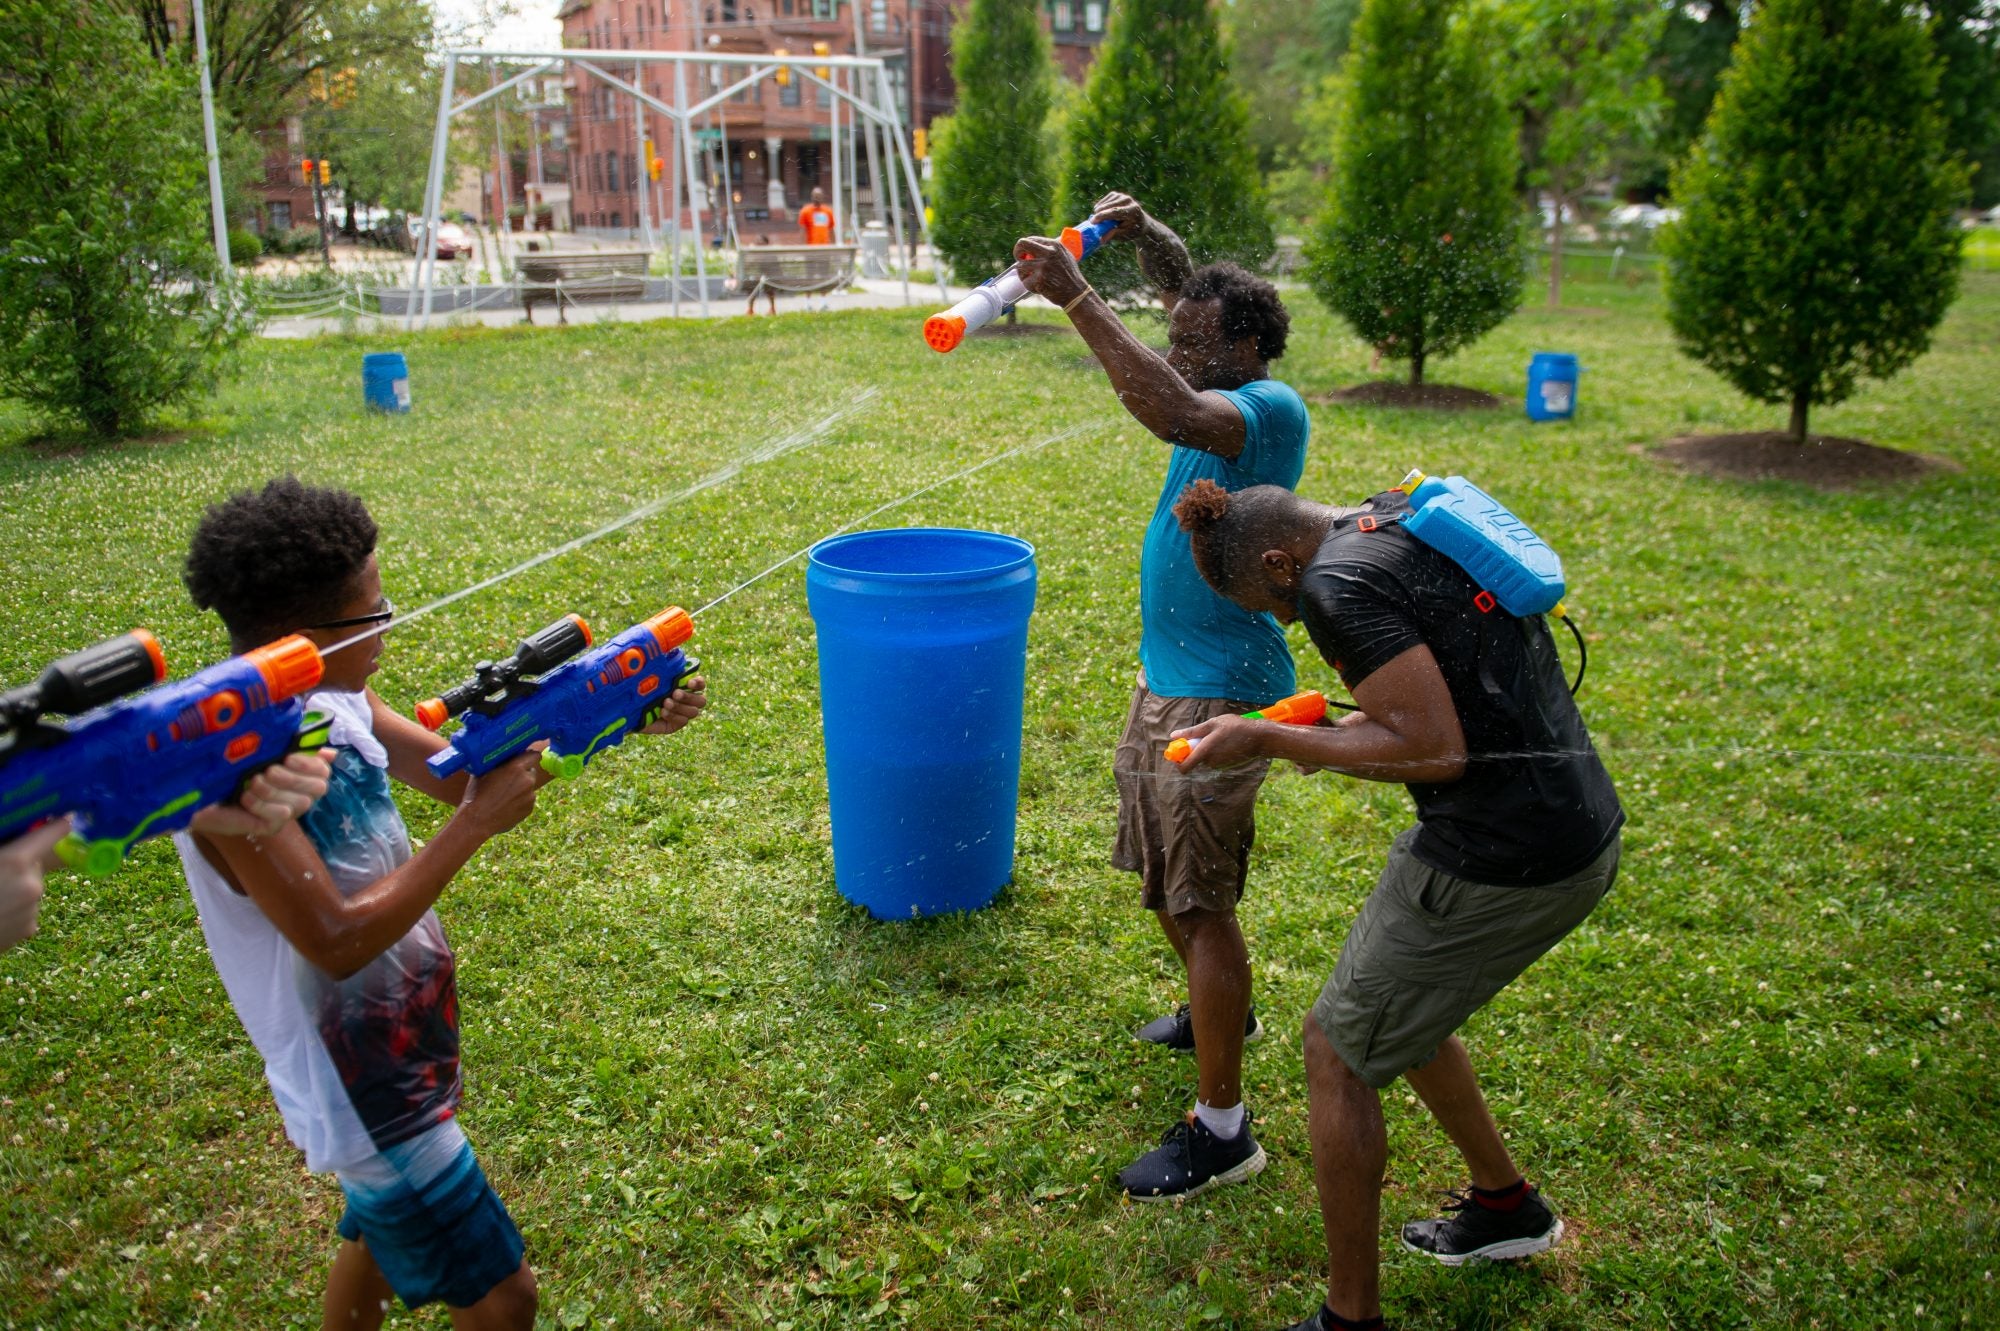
1800	401
1556	257
1417	367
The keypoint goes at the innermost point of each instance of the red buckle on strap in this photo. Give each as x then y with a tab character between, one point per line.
1367	522
1485	601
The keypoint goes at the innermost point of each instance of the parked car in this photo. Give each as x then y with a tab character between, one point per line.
452	240
1644	215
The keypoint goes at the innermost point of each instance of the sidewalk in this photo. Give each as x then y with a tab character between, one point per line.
873	294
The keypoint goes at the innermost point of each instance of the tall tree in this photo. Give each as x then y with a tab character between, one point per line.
1818	242
1279	52
375	125
1161	121
105	258
1422	246
994	177
1576	72
1967	37
263	54
1688	59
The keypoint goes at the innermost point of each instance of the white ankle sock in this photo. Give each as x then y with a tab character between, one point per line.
1224	1123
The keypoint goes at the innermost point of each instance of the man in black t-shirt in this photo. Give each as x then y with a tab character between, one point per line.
1516	841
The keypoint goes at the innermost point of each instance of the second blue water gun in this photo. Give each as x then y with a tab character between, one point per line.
130	768
992	298
559	688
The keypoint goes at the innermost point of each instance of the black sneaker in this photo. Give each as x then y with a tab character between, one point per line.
1474	1233
1189	1160
1176	1030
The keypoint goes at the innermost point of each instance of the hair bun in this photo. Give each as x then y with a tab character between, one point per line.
1201	505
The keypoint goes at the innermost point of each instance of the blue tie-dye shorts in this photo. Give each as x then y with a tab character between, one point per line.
433	1224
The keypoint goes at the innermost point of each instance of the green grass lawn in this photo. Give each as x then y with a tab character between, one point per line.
1760	1082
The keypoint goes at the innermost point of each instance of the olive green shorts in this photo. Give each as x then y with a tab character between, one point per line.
1428	950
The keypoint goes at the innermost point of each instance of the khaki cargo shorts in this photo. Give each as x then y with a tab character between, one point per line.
1188	837
1428	950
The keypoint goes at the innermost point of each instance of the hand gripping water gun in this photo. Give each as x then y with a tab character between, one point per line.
1301	709
557	687
145	766
992	298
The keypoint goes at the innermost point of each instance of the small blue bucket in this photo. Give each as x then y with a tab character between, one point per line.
385	381
1552	386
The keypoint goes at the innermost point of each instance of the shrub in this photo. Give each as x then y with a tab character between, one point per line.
1161	121
1817	241
106	254
244	247
1422	247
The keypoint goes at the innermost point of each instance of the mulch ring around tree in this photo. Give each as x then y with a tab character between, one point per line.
1823	461
1429	397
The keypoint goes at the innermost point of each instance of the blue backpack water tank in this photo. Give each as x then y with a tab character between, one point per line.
1501	552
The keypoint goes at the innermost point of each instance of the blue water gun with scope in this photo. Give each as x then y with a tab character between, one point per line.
558	688
130	768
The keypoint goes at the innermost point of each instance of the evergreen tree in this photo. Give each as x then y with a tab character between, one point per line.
105	240
1422	245
994	180
1817	242
1161	121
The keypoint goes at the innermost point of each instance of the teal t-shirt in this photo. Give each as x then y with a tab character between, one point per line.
1192	643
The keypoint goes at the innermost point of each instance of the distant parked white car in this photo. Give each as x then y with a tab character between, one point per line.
1645	215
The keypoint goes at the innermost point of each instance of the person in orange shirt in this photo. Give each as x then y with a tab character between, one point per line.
816	220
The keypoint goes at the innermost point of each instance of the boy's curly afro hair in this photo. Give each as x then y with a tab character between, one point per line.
1250	306
279	559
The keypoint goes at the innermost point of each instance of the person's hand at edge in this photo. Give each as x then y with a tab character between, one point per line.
23	861
1225	741
1125	210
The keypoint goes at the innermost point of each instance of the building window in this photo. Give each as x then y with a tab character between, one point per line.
878	15
1093	15
786	7
632	169
1061	17
281	216
788	94
826	9
617	220
728	11
611	172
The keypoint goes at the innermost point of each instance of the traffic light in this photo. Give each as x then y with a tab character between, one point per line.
923	143
325	172
784	74
306	170
822	48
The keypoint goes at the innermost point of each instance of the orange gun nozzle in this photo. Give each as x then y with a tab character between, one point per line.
671	627
153	650
944	331
289	666
582	628
432	714
1178	750
1072	240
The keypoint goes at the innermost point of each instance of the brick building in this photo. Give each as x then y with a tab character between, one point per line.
766	148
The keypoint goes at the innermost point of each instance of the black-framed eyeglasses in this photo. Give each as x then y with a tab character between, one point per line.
382	616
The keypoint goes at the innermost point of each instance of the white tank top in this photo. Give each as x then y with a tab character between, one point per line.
360	1064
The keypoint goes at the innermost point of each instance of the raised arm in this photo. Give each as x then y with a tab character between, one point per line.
1162	257
1152	390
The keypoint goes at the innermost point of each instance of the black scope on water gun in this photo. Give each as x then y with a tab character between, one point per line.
78	682
495	683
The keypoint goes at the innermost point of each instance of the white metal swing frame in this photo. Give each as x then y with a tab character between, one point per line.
870	73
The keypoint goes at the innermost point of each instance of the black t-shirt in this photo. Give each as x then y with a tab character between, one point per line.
1535	805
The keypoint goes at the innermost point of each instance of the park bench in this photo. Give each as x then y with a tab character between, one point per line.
559	279
793	270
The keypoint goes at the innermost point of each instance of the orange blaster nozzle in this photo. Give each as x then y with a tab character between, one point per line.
671	627
944	331
1301	709
289	666
432	713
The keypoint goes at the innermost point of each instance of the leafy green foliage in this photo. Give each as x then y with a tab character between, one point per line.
1576	72
1688	60
1966	34
1818	242
244	247
1280	52
105	242
1757	1082
1161	121
1421	247
375	126
994	176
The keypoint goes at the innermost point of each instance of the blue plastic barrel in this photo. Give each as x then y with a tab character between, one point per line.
1552	386
923	654
385	381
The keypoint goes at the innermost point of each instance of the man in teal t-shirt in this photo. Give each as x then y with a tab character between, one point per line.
1189	840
